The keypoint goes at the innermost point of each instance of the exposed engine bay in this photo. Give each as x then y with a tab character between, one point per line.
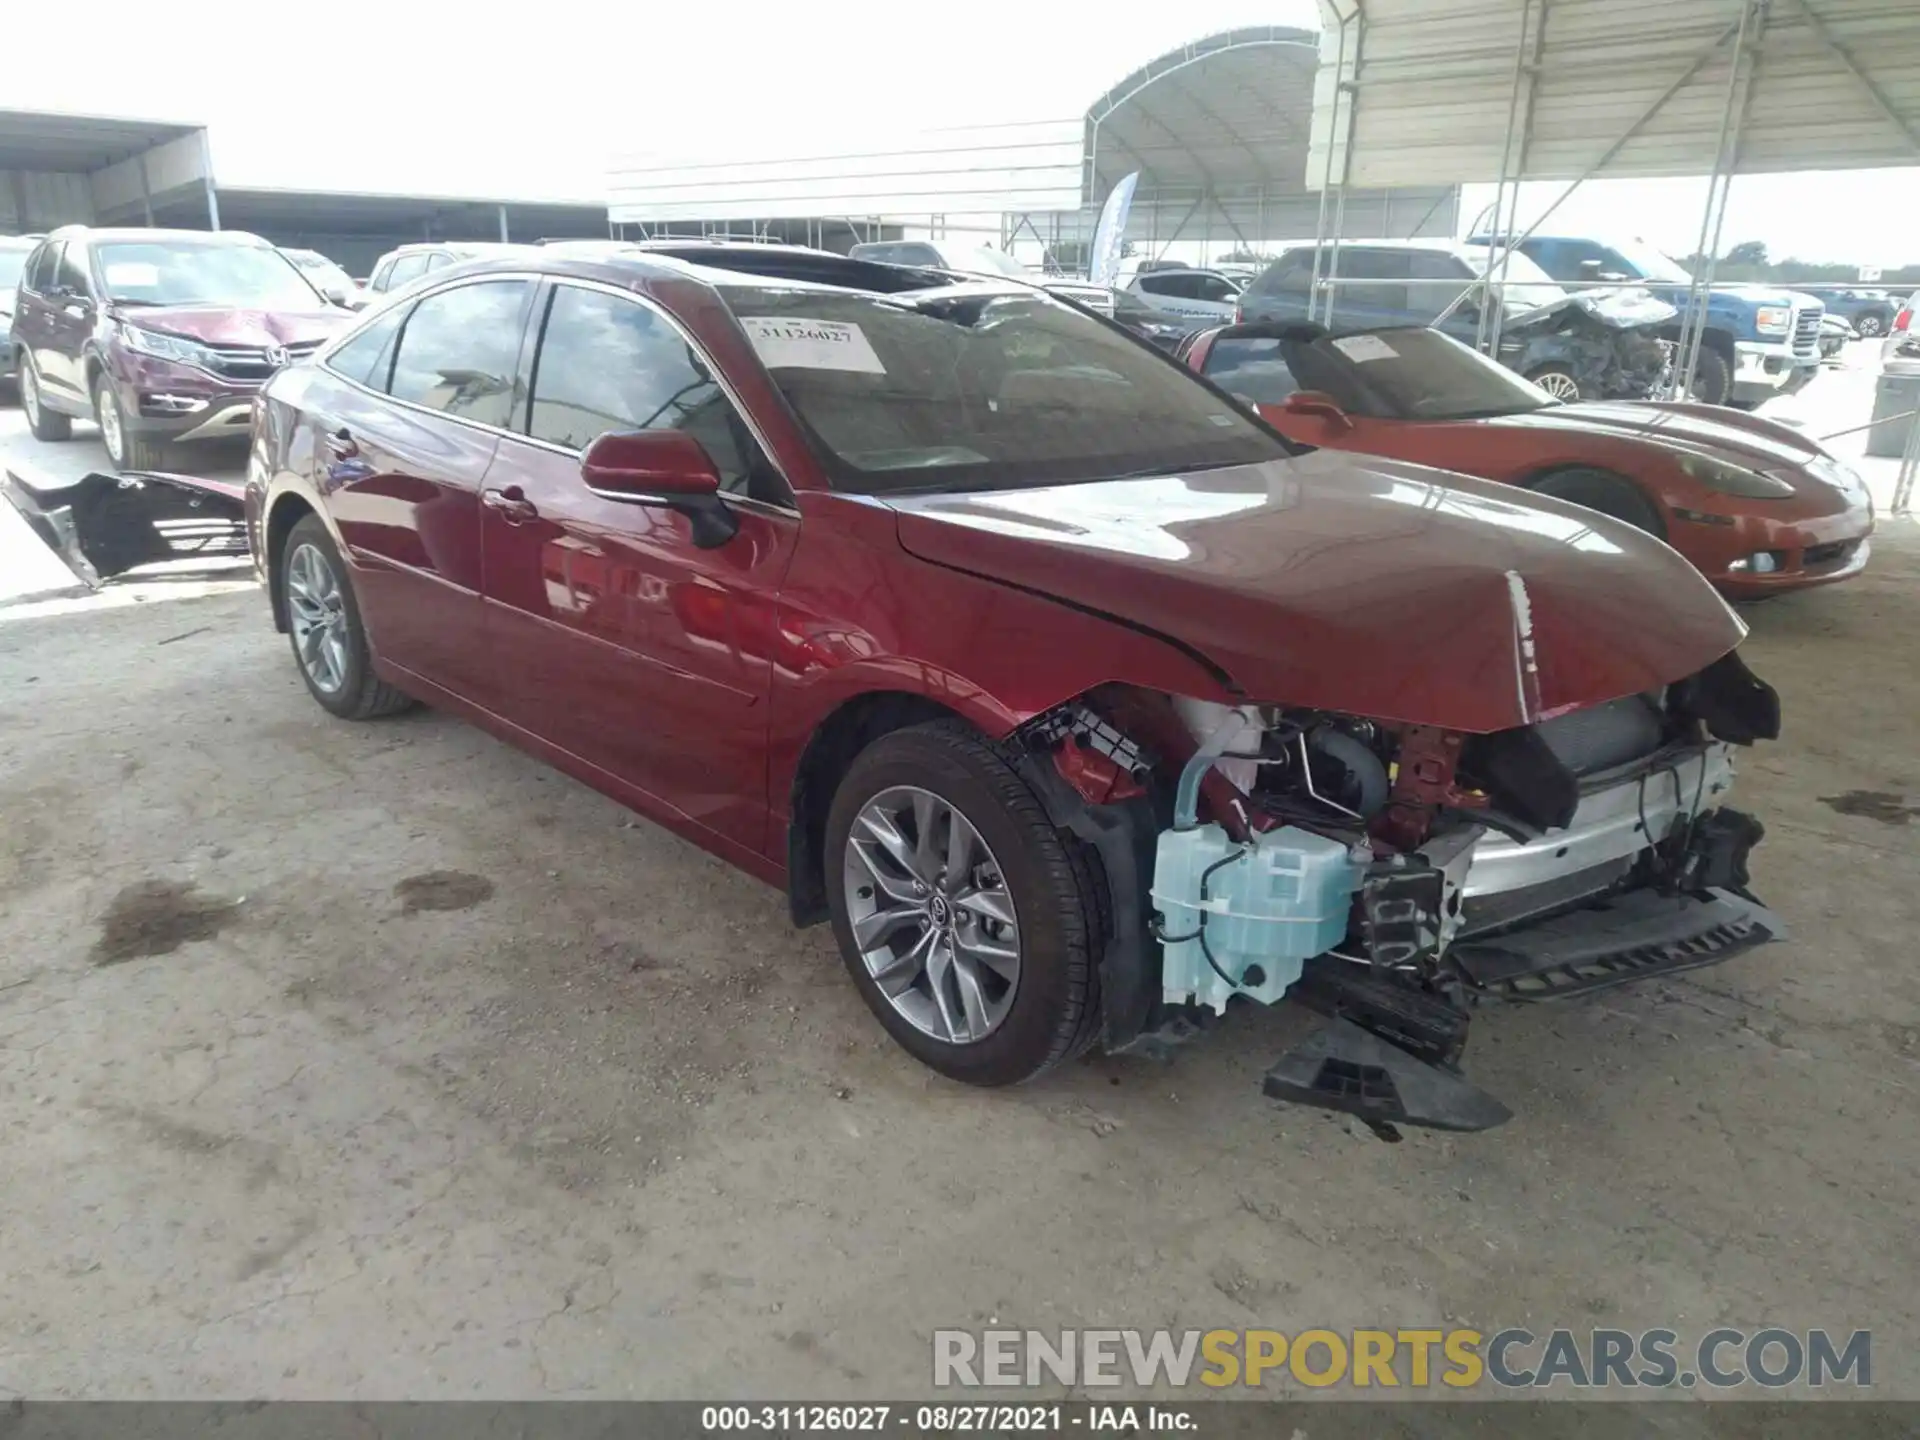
1608	341
1394	877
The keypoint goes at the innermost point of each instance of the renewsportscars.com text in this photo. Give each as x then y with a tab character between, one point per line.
1770	1357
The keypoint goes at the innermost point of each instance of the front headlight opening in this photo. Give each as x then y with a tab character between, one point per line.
166	347
1725	479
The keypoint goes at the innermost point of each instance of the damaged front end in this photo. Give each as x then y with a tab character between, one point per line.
1608	341
104	525
1395	877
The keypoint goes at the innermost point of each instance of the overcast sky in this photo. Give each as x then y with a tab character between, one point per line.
529	101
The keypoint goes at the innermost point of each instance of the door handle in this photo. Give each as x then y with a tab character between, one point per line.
341	445
511	504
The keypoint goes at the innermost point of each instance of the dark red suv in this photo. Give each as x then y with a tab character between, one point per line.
1077	699
158	335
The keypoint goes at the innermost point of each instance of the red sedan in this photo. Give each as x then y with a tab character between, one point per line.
1757	506
1076	701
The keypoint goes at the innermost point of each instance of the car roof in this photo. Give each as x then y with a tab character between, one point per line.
1447	247
751	265
138	234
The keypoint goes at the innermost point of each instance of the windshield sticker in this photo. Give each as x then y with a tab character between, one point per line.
1362	348
134	275
802	344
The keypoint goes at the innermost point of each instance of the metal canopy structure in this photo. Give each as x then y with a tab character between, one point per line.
1480	90
1522	90
1218	130
58	169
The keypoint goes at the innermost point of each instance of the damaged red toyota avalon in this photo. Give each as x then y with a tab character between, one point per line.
1080	703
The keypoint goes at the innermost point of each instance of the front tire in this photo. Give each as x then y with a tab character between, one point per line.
1870	326
323	621
971	926
1712	378
1558	381
42	423
127	452
1610	494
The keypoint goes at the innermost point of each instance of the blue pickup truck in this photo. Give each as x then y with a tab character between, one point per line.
1760	341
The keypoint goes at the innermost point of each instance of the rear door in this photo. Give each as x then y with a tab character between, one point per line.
404	443
628	645
68	320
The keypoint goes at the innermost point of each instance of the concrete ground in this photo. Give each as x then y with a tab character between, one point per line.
381	1061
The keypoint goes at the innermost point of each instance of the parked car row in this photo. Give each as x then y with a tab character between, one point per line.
1025	656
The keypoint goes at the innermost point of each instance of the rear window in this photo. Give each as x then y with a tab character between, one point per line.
975	387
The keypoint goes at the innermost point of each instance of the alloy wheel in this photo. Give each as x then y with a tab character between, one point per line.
29	393
317	611
1560	386
1868	326
931	915
108	416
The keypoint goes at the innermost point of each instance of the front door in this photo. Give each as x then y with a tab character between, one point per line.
618	638
403	479
69	314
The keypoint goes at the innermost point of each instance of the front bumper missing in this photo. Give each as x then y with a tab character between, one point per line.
1390	1054
104	525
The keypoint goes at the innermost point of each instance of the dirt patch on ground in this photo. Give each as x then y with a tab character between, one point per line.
442	890
1888	809
157	917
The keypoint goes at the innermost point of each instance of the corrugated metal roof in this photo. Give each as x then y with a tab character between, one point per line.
1834	84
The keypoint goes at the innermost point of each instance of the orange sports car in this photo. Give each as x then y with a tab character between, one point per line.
1755	505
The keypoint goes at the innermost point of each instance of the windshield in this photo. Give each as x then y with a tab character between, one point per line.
987	261
12	262
1528	286
1651	263
322	271
148	272
975	387
1404	374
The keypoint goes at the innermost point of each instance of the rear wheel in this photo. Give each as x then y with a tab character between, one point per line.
128	452
1557	381
1608	493
1869	326
44	424
323	620
970	925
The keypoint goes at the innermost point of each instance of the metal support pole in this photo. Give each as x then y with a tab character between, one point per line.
146	192
502	212
1488	298
206	176
1326	174
1909	464
1726	161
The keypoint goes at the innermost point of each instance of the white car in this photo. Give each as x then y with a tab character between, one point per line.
971	259
327	277
1205	295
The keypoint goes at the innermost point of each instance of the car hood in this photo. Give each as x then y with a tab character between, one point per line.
1352	583
1742	439
1629	308
216	325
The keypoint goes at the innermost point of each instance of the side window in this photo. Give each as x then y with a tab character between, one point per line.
608	363
1369	268
1253	369
45	265
458	351
1291	274
438	259
72	274
377	282
1162	285
406	268
1425	302
1212	287
368	356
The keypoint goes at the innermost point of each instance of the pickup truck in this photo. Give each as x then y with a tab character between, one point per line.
1760	341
